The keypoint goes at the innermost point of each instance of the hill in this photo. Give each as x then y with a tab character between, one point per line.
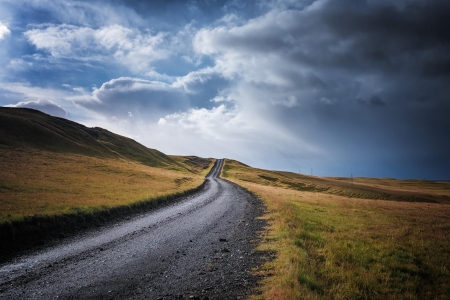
23	128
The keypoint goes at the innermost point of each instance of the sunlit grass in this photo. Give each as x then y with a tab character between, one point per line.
47	183
336	247
367	188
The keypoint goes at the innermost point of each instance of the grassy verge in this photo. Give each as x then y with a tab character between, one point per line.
332	246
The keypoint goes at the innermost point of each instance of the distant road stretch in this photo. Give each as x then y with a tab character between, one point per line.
198	248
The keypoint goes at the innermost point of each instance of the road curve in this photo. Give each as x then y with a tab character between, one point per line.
201	247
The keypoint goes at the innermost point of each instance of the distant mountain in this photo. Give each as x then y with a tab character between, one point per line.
23	128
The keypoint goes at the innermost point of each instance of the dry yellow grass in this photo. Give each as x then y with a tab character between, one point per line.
416	187
335	247
194	164
48	183
367	188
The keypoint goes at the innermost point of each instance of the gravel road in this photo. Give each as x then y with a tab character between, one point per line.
201	247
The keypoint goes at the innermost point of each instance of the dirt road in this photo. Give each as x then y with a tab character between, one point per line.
202	247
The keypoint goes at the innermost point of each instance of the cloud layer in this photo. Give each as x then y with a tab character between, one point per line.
123	45
342	87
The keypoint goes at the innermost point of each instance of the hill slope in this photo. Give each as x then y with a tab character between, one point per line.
31	129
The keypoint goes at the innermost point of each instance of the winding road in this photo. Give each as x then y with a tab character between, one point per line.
201	247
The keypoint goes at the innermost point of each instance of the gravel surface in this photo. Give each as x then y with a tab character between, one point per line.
201	247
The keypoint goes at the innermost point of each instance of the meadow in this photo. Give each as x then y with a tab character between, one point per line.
337	239
43	183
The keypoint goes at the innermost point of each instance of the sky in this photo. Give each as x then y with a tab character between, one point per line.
332	88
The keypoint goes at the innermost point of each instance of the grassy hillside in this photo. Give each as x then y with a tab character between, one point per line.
53	166
30	129
375	239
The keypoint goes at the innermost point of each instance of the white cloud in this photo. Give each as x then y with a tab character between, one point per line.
229	20
158	76
193	78
129	47
18	64
259	51
223	131
43	105
211	124
317	5
4	31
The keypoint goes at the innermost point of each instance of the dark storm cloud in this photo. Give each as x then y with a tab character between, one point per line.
366	77
373	101
359	36
392	38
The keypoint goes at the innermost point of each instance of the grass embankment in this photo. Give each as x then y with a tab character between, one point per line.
329	244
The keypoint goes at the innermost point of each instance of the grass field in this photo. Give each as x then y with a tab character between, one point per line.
47	183
375	239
